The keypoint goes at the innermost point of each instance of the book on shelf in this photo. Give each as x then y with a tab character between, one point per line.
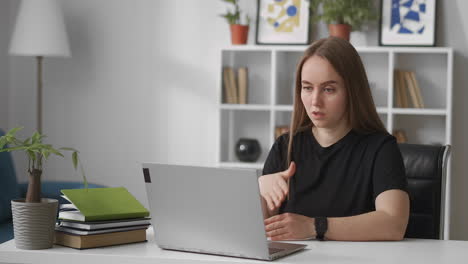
400	136
242	80
99	240
98	204
82	232
228	97
407	89
417	89
400	89
233	86
280	130
96	225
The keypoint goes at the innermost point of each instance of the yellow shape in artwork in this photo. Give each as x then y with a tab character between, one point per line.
284	15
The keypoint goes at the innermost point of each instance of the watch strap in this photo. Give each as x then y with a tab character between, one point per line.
321	226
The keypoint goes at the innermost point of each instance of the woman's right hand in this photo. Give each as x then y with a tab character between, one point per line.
274	187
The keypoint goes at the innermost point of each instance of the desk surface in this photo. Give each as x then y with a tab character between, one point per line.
406	251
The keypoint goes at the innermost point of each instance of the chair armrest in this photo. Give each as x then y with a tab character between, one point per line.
51	189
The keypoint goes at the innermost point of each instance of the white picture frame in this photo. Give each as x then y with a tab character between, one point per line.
285	22
407	23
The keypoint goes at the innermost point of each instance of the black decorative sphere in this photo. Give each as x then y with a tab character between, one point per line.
248	149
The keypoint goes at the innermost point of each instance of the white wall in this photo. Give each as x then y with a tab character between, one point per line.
142	85
4	42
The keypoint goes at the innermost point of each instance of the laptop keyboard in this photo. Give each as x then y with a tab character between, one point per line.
274	250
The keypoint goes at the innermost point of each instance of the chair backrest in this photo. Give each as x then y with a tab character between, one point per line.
426	167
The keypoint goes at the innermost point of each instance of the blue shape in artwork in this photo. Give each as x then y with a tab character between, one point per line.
422	8
395	18
276	24
408	4
278	1
420	31
291	11
411	15
404	30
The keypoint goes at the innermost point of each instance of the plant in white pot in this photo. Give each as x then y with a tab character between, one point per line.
239	31
343	16
34	217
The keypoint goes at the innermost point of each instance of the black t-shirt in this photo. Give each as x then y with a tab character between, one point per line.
339	180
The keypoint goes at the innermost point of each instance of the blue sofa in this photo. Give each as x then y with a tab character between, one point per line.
10	189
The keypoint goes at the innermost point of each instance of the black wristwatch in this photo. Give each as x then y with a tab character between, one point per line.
321	226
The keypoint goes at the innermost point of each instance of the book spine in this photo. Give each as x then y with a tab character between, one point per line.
233	86
227	86
242	80
411	89
397	88
417	90
403	90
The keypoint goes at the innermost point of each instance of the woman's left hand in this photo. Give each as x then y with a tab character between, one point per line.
289	226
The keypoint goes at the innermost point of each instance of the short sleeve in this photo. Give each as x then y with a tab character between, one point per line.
389	169
277	156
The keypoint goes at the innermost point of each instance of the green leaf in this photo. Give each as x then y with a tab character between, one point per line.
45	153
31	155
230	1
2	142
27	141
36	137
12	149
75	159
69	149
13	131
352	12
56	152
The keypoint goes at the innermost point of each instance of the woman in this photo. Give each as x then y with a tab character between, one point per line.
341	175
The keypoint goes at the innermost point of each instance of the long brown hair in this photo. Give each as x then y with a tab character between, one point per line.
361	112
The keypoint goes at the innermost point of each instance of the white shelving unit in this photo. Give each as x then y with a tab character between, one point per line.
270	94
271	72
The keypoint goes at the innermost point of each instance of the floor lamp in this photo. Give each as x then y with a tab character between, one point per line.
40	32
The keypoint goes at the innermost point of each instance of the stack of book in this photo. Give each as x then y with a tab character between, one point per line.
100	217
235	89
407	89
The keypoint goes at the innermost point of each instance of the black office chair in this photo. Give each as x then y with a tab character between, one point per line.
426	167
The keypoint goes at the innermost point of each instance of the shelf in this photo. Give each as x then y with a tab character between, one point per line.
271	72
247	165
255	107
283	108
419	111
361	49
382	110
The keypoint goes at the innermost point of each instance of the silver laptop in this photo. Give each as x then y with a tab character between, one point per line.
209	210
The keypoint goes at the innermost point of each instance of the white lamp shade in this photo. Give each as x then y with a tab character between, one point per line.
39	30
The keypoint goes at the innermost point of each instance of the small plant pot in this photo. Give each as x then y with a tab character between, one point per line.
34	223
239	34
339	30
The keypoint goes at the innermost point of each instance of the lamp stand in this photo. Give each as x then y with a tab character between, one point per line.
39	93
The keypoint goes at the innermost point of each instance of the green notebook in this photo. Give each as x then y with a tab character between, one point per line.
98	204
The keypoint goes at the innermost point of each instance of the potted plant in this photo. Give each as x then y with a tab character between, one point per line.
239	32
343	16
34	217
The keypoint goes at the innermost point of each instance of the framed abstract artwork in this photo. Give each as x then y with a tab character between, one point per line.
284	22
407	23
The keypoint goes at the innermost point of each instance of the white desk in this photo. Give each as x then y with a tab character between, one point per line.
407	251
